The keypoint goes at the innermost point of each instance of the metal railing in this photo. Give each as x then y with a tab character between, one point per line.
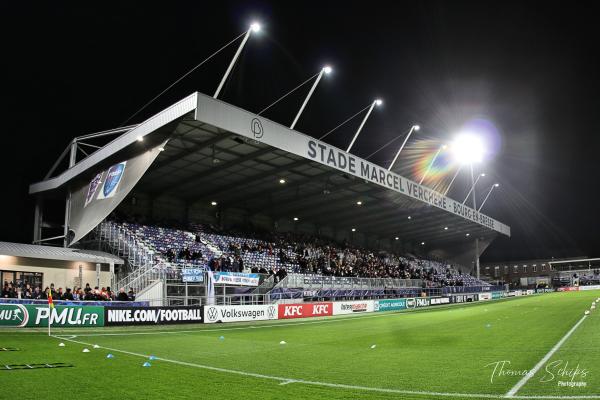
316	282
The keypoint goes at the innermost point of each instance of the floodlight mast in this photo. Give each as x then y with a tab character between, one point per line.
495	185
255	27
412	129
325	70
472	190
376	102
442	147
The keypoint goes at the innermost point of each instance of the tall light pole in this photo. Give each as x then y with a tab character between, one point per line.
255	27
442	147
495	185
468	149
412	129
472	190
377	102
325	70
474	208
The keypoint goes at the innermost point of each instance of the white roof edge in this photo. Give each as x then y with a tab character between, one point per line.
57	253
160	119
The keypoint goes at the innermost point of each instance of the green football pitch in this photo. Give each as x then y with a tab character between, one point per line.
531	347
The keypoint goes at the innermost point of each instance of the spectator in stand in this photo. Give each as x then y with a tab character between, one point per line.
68	295
131	295
122	296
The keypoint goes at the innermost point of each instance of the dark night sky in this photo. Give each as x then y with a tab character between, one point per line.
531	69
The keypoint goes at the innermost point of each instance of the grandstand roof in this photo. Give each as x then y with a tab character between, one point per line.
217	152
57	253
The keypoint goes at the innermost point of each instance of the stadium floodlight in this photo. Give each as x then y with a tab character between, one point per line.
442	147
282	181
412	129
359	203
325	70
353	229
295	218
422	243
473	187
213	203
495	185
445	228
376	102
140	138
254	27
396	238
409	217
468	234
468	148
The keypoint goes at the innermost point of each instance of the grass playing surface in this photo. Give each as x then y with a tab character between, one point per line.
446	352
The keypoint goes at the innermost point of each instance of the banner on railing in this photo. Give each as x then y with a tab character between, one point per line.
236	278
390	305
485	296
257	312
152	315
26	315
192	275
305	310
436	301
350	307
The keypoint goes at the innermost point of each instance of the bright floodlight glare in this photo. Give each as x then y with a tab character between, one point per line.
416	127
255	27
327	69
295	218
422	243
378	102
161	149
445	228
353	229
140	138
482	174
468	234
282	181
444	147
396	238
213	203
496	184
359	203
468	149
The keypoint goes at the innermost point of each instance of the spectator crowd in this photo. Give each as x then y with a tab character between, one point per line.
26	291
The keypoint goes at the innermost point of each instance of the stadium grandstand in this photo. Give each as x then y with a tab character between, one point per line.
203	161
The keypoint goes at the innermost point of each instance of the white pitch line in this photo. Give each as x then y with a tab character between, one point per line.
286	381
539	365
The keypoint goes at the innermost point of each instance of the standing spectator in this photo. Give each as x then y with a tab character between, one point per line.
122	296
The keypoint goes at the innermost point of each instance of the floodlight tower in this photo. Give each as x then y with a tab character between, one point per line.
325	70
468	150
442	147
412	129
376	102
495	185
254	27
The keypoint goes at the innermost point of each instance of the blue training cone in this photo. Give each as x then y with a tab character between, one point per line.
146	364
110	356
221	337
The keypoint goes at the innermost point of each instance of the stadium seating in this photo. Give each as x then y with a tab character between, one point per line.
199	247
